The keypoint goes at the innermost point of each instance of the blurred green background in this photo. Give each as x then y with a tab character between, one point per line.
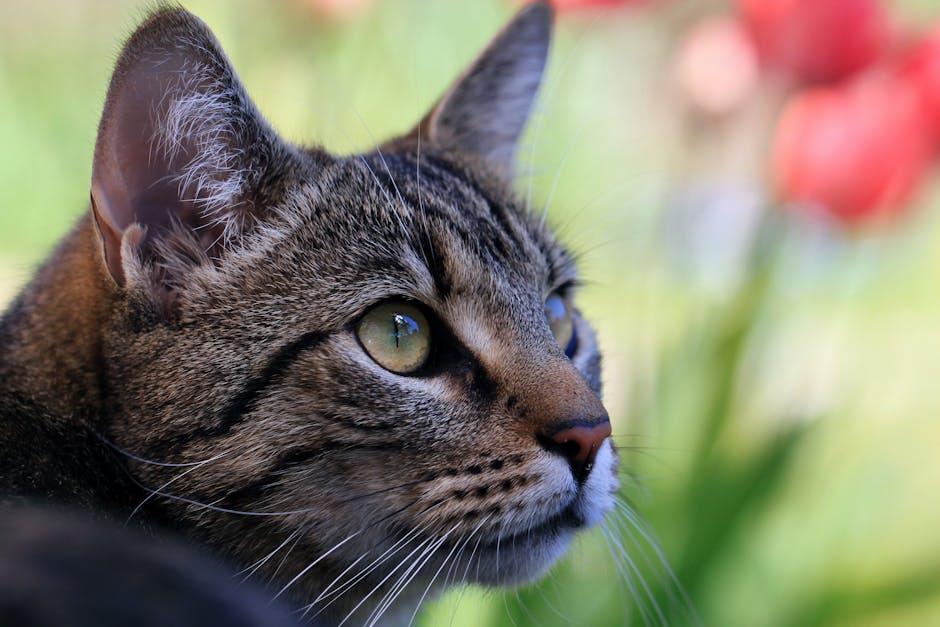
775	383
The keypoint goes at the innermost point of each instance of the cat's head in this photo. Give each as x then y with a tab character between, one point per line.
345	357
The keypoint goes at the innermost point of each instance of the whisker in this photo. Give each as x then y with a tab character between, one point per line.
142	460
258	564
381	583
283	561
364	572
551	605
540	121
639	576
314	563
383	559
225	510
673	585
381	155
508	612
374	565
561	167
465	572
399	588
170	482
446	559
624	575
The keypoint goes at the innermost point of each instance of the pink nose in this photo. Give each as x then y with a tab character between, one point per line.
578	444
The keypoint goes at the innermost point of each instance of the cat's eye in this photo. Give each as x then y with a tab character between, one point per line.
558	313
396	335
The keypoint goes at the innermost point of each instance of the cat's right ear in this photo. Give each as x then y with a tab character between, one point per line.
485	111
180	146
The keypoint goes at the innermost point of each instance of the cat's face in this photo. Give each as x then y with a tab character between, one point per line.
353	358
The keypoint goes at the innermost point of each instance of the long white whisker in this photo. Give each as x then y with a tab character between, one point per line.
144	460
381	583
465	573
561	167
446	559
170	482
381	156
639	575
284	559
381	559
540	122
627	578
314	563
627	513
552	607
401	588
250	570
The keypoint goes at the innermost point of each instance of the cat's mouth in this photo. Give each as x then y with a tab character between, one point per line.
525	554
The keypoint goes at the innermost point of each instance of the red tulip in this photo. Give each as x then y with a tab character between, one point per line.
921	66
570	5
817	40
857	152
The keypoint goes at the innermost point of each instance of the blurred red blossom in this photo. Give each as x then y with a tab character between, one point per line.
569	5
921	66
818	40
857	152
716	67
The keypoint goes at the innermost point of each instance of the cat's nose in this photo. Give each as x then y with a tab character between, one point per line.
578	442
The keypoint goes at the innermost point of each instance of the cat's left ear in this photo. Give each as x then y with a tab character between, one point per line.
181	149
485	111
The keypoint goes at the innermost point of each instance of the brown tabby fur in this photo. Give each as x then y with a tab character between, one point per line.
202	316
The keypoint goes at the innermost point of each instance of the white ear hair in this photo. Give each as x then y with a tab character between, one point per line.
179	144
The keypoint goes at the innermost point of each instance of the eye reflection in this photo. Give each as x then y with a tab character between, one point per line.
559	316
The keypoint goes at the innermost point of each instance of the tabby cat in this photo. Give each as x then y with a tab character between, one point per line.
354	376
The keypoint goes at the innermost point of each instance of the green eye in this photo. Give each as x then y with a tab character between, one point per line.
396	335
559	319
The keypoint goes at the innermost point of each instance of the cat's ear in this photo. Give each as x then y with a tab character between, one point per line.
485	111
180	145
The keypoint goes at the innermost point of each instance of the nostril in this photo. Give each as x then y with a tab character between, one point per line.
569	449
578	442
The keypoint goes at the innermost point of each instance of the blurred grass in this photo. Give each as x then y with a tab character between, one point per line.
778	432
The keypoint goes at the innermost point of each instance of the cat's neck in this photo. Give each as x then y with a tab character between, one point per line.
50	338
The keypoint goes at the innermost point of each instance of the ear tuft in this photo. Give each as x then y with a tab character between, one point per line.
485	111
179	142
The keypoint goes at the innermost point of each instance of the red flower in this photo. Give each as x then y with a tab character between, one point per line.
817	40
921	66
568	5
857	152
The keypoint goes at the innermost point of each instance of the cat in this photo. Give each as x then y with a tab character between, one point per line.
345	373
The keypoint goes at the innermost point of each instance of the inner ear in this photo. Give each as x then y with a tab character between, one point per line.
179	145
485	111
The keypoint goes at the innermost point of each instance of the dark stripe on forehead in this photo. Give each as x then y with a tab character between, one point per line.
442	192
423	242
244	401
498	212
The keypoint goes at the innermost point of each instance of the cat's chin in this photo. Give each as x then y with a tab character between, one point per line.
526	556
